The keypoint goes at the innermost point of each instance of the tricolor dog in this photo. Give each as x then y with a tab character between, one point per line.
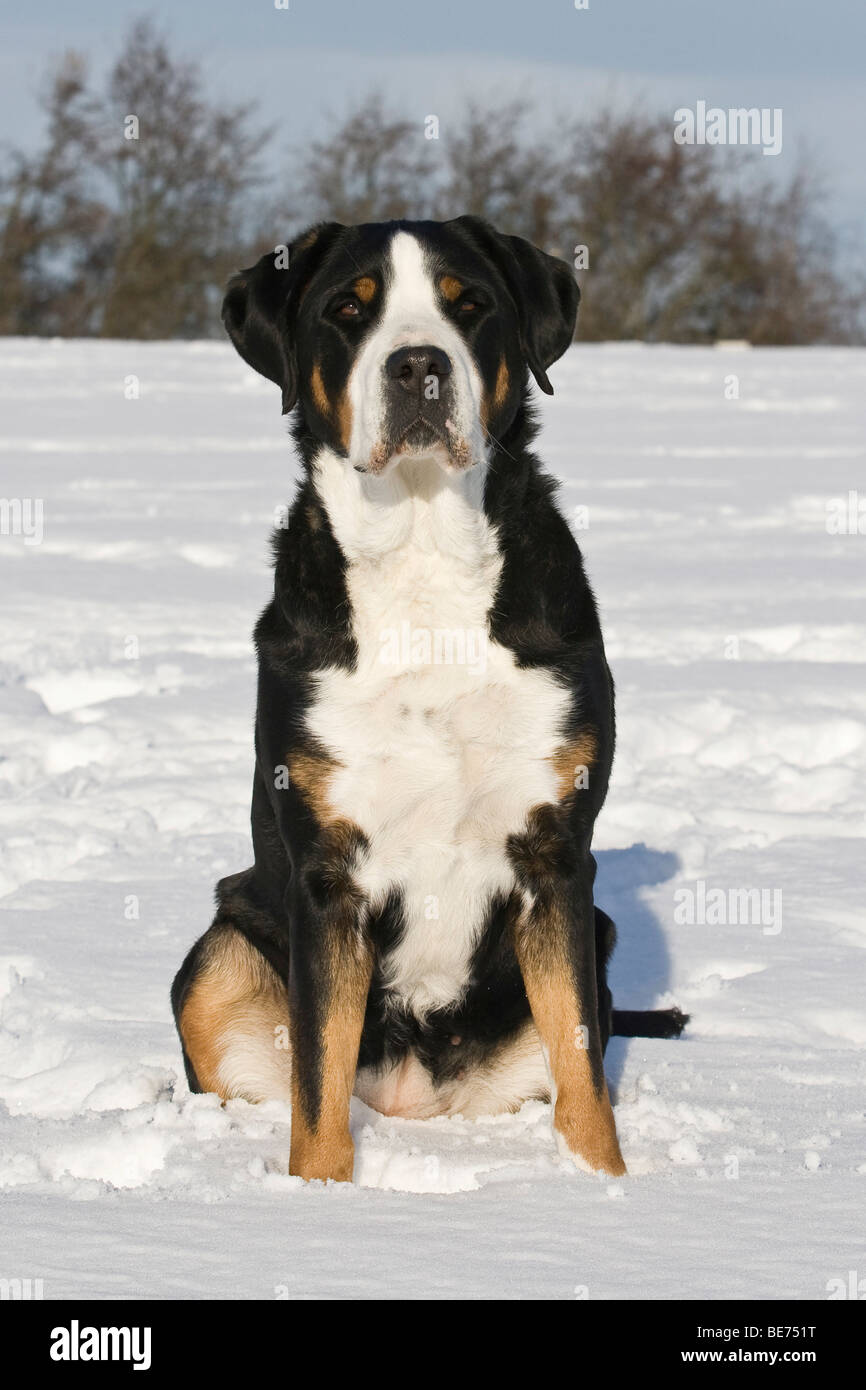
435	720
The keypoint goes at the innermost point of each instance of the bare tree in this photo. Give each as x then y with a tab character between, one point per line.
177	188
497	169
639	203
147	195
54	227
691	245
770	270
370	167
128	222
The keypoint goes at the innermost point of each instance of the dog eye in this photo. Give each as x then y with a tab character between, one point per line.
472	303
347	309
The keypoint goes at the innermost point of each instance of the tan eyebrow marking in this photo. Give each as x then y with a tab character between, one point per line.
365	288
451	287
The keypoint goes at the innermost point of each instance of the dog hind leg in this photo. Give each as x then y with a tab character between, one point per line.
231	1010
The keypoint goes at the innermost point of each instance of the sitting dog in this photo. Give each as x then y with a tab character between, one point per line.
435	720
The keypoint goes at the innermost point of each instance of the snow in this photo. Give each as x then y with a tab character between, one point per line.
736	629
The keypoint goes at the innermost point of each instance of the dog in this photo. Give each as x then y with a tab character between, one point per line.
435	715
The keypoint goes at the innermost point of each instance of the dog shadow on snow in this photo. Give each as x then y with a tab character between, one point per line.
639	973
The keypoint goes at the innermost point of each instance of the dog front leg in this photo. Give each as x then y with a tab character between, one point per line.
329	980
554	941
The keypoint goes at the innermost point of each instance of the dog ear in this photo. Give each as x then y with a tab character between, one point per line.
261	305
544	291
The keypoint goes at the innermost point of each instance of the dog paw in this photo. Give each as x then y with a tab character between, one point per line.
601	1154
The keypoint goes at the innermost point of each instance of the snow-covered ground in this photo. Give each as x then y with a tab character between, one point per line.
736	629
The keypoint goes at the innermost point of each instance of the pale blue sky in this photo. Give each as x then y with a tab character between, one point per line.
806	56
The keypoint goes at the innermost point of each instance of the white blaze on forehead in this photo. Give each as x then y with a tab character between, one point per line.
410	303
411	317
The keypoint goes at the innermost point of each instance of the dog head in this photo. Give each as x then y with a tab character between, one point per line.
404	338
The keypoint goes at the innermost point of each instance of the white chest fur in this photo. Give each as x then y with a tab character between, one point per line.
442	742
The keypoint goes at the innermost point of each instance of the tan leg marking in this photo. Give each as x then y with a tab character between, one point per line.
581	1115
324	1149
233	1018
322	1145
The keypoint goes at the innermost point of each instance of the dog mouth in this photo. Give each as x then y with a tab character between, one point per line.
422	436
419	435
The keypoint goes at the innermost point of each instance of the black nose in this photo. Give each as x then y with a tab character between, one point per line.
411	367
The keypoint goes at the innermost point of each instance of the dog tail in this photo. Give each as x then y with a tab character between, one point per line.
648	1023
